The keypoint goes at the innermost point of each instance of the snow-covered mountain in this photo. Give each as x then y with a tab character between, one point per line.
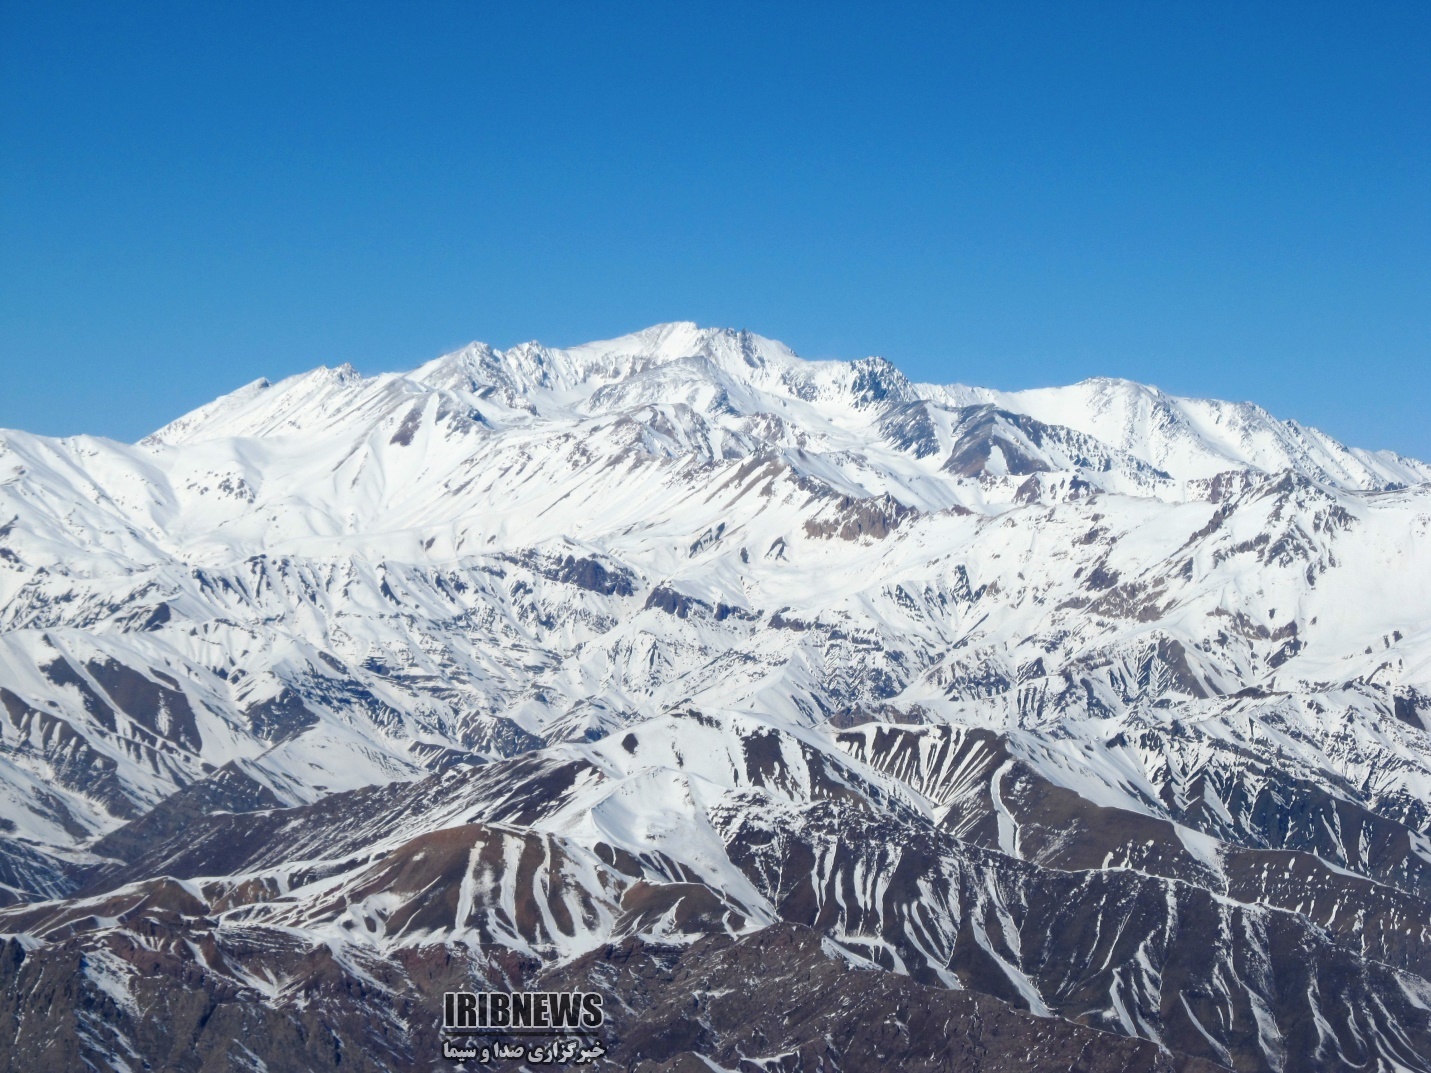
1106	705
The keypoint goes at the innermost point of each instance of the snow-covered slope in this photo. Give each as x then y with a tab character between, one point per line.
683	614
1193	438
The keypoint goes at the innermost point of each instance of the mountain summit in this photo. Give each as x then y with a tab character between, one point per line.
723	373
1091	713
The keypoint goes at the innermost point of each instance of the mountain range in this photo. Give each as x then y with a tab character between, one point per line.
822	719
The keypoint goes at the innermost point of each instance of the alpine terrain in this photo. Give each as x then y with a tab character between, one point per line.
820	720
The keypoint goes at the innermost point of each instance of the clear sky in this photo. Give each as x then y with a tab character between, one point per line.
1228	199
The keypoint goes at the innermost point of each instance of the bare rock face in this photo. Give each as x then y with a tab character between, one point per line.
819	719
893	894
783	995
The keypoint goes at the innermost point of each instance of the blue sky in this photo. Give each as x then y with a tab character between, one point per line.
1227	199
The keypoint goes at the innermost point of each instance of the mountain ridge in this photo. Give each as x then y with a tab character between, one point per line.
530	366
533	654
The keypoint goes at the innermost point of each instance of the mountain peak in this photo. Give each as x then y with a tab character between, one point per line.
729	376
